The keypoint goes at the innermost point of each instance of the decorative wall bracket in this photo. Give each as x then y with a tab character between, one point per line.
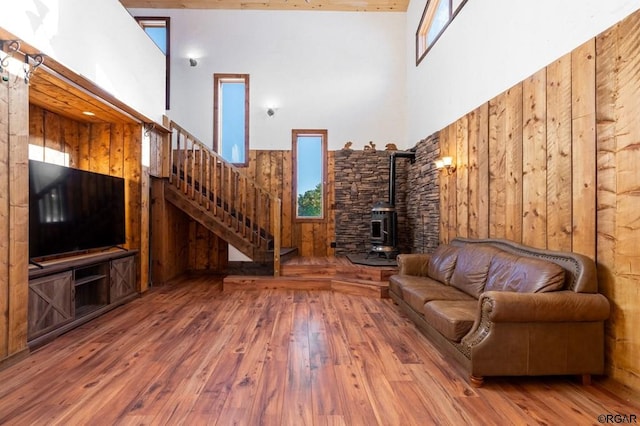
31	62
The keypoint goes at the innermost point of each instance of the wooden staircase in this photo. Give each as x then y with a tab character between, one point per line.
223	199
326	273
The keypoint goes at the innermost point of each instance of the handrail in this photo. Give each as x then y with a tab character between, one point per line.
225	191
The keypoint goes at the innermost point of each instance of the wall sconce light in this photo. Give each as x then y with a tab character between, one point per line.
271	111
446	164
193	62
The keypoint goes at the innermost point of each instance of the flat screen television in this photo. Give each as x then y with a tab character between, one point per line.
73	210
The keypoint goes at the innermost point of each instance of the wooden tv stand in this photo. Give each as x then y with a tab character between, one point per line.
65	293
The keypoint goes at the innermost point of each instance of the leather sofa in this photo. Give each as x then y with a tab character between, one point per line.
505	309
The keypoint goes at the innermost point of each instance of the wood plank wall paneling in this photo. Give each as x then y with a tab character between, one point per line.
14	205
287	202
534	161
558	125
513	163
206	250
482	187
273	170
145	229
618	192
169	229
452	214
116	150
510	163
462	176
473	172
132	171
4	219
99	147
18	215
606	93
497	171
444	188
562	150
158	155
583	123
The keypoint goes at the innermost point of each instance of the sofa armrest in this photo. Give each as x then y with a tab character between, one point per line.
413	264
554	306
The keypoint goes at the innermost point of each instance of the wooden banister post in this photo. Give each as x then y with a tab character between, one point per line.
276	220
167	151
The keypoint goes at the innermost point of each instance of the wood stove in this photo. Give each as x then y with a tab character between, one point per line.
384	239
383	229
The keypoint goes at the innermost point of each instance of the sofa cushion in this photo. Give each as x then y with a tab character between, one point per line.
442	263
413	264
472	267
524	274
500	270
416	291
452	318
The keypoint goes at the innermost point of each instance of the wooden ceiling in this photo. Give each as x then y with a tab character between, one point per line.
333	5
59	95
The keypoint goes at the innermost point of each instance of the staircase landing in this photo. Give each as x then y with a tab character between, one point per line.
320	273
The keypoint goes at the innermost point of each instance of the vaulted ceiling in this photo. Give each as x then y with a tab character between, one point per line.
334	5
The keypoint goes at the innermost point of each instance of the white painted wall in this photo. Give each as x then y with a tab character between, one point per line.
492	45
97	39
343	72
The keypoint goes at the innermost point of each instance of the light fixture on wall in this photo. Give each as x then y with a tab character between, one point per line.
271	109
445	164
193	62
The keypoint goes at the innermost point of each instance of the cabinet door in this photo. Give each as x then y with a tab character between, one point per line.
123	278
50	303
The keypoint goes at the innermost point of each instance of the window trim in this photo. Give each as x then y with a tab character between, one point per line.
295	133
452	14
217	80
167	24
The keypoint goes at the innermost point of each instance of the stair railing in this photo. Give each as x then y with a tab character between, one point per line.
225	191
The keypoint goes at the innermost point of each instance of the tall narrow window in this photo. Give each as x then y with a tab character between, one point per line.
309	167
158	29
437	15
231	117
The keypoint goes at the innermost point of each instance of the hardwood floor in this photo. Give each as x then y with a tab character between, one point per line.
191	354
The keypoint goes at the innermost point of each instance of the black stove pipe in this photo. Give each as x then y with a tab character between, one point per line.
392	171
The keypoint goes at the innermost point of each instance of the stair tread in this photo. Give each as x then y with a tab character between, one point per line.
272	278
358	281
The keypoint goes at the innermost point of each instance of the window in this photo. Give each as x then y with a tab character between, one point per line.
309	150
437	15
231	117
158	29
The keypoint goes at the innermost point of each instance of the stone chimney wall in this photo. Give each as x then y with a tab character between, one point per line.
362	179
423	197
